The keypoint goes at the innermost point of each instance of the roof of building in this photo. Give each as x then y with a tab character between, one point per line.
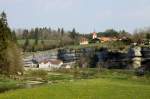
56	62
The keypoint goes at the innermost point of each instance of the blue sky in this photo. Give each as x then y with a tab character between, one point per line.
84	15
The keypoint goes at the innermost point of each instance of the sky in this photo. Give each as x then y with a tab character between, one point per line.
84	15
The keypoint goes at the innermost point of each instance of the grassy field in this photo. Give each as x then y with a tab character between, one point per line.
106	85
85	89
31	41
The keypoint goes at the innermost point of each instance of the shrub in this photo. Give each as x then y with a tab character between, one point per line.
38	73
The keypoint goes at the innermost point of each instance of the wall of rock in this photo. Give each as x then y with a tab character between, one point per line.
135	58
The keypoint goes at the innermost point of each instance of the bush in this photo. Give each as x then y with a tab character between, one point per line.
38	73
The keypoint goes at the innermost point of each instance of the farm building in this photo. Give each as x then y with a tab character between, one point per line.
51	64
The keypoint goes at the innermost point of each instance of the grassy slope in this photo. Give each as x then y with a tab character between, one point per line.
31	41
84	89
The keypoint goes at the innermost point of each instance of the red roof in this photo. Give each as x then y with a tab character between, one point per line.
52	61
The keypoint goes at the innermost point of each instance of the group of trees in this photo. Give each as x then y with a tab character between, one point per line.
141	35
45	38
10	57
110	33
138	36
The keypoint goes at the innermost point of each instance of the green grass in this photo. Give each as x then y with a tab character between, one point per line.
114	45
31	41
108	84
7	84
84	89
60	77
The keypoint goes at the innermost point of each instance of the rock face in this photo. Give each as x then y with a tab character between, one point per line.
71	55
115	60
146	58
145	52
101	57
135	52
136	56
136	62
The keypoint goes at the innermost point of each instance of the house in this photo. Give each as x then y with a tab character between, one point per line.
68	65
107	39
44	64
84	41
56	63
50	64
103	38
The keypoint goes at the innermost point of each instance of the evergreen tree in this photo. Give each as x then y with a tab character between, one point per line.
14	38
4	18
36	37
58	30
26	44
62	32
25	34
148	36
7	49
73	34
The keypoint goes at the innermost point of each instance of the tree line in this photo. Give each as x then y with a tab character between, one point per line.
46	38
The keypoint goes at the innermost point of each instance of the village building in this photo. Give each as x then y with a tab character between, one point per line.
103	38
84	41
68	65
107	39
50	64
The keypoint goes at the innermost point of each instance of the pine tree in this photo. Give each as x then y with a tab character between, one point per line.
74	35
4	18
62	32
58	30
26	44
14	38
7	49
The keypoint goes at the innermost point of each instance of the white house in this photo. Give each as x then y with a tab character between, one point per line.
56	63
50	64
44	64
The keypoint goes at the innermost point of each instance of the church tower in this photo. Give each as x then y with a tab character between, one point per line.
94	35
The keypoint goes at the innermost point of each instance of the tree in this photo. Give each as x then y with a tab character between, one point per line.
62	32
74	36
148	36
14	38
36	37
26	44
4	18
58	30
111	33
43	45
25	34
15	59
7	49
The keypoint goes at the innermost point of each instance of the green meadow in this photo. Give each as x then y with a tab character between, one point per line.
106	85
